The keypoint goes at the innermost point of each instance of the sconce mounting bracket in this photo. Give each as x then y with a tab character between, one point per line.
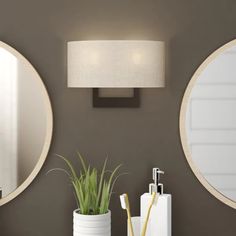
116	102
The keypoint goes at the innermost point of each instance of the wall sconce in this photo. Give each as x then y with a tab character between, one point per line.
116	64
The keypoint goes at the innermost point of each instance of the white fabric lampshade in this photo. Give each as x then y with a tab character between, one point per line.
116	63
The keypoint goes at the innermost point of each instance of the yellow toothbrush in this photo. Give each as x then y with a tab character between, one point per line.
124	200
154	194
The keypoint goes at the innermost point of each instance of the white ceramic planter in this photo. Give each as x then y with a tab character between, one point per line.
91	225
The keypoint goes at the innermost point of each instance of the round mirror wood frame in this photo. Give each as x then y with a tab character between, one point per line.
182	125
49	128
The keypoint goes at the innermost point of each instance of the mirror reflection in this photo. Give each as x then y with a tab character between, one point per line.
211	123
23	120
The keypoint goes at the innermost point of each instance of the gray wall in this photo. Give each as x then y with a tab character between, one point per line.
139	138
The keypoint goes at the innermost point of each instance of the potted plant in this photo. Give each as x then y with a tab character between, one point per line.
93	190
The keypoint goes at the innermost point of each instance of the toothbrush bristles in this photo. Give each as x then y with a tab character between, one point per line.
123	201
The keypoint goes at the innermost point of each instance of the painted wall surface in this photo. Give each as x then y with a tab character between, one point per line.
138	138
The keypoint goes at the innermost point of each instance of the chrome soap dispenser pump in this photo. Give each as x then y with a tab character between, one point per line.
156	186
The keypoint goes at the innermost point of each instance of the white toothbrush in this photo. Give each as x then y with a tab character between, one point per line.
124	200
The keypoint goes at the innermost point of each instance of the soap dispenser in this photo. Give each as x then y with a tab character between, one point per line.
160	217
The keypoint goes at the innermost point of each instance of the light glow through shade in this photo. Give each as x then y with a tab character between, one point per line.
116	63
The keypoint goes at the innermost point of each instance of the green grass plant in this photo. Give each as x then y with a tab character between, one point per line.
93	188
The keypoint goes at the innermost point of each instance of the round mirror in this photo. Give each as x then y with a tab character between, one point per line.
25	123
208	123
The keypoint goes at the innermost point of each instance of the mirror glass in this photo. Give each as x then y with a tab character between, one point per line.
25	123
208	123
